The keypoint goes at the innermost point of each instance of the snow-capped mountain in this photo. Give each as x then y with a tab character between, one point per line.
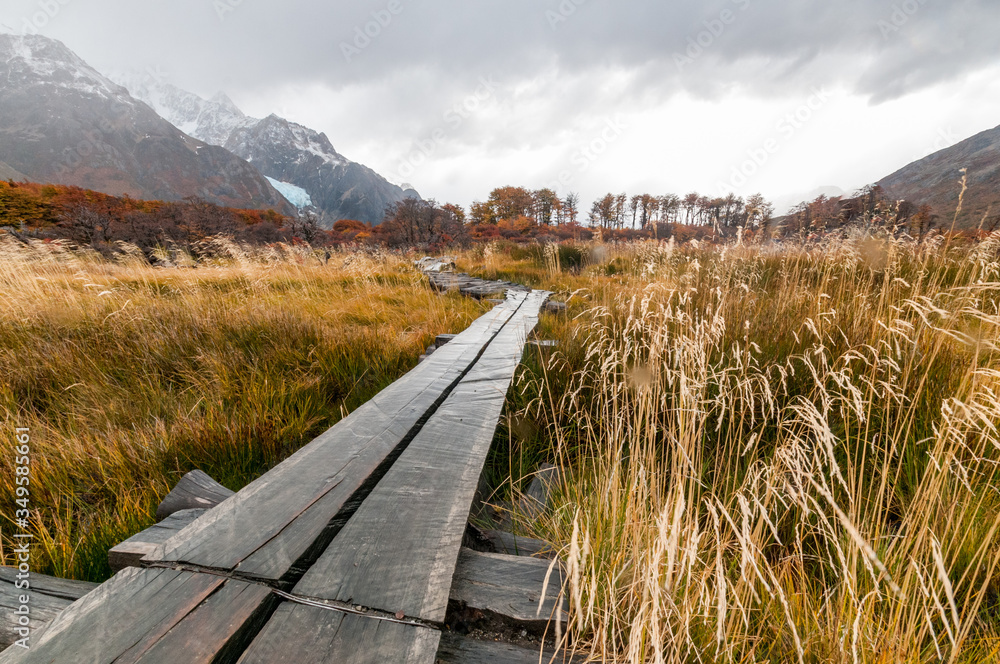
210	120
300	162
63	122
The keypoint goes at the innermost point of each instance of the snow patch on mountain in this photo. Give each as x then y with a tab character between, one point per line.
39	59
211	120
287	153
218	119
296	195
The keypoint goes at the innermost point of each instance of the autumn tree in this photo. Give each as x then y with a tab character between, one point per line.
511	203
456	210
482	214
86	225
922	221
305	226
602	212
758	212
690	204
545	206
571	207
670	207
413	222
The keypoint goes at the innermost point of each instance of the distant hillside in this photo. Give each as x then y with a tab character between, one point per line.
303	161
63	122
936	180
7	172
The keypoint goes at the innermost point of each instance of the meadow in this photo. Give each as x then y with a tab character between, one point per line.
776	452
772	453
129	376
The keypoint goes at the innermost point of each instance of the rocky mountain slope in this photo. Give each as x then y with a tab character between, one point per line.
63	122
9	173
299	159
936	181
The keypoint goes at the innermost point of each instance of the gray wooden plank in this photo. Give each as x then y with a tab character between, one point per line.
457	649
263	530
43	609
131	552
47	598
49	585
165	615
403	559
196	490
310	635
120	619
511	589
218	630
516	545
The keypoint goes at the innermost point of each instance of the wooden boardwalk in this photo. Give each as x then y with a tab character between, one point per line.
346	552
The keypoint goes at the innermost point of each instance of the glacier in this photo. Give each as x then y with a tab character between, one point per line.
296	195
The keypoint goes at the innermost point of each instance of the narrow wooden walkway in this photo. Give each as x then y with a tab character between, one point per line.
346	552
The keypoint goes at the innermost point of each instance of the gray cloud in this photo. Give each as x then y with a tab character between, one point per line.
256	42
572	62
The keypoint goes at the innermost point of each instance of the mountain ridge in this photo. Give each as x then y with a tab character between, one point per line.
282	150
63	122
936	180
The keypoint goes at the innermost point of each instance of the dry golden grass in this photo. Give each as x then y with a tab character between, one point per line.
775	453
129	376
780	454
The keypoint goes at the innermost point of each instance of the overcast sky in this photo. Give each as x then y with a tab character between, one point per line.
460	96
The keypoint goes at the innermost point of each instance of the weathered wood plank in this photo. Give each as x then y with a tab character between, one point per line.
153	616
218	630
120	619
277	520
47	598
196	490
403	559
310	635
456	649
50	585
553	307
131	552
159	615
511	589
515	545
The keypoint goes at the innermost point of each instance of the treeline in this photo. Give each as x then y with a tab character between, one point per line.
619	211
100	220
645	210
518	213
512	213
